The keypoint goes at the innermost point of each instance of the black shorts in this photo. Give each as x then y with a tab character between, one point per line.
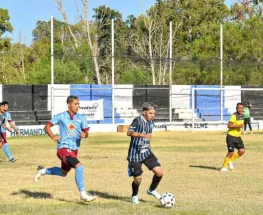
234	142
135	168
246	120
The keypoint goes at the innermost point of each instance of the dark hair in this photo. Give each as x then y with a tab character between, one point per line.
1	104
149	106
71	99
240	103
5	103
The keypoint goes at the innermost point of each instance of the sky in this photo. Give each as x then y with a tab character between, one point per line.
24	14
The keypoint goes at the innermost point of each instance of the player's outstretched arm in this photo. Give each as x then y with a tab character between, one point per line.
14	127
50	133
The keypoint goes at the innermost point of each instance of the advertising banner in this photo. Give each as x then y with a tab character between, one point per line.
93	110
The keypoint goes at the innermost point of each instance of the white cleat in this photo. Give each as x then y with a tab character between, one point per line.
135	200
87	197
40	172
230	165
224	169
154	193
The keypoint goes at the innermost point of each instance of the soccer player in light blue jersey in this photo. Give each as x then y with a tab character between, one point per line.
72	127
8	120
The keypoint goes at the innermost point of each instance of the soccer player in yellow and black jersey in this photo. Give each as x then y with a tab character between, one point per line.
233	138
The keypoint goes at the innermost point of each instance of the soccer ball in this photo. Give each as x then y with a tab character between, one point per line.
167	200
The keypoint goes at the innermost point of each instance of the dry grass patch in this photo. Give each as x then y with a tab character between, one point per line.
190	163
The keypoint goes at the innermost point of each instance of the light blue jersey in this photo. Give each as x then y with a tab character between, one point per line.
70	129
7	117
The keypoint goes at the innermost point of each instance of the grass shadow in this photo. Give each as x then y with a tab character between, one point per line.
35	195
205	167
159	206
80	202
42	195
109	196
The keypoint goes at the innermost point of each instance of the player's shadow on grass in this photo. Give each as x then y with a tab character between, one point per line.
35	195
109	196
205	167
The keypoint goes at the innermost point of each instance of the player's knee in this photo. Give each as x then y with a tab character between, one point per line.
241	151
159	173
73	162
138	179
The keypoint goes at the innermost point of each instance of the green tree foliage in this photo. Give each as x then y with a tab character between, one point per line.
5	26
40	72
142	46
65	54
68	73
243	51
103	16
135	76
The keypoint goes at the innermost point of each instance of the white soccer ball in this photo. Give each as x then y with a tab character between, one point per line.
167	200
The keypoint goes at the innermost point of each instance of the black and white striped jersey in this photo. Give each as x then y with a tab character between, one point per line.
139	148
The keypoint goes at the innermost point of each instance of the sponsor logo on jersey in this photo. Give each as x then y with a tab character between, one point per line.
71	126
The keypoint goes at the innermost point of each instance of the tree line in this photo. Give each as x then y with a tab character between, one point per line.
82	51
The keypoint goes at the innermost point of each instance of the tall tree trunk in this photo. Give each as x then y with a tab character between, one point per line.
93	45
95	52
64	14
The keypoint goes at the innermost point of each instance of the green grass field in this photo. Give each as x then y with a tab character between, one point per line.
190	161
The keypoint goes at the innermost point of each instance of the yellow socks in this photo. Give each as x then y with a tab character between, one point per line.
226	161
234	157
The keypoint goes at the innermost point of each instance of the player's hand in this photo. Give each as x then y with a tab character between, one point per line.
17	133
147	136
1	144
83	134
55	138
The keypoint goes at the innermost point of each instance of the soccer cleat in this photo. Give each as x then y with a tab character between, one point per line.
12	160
135	200
154	193
40	172
224	169
87	197
230	165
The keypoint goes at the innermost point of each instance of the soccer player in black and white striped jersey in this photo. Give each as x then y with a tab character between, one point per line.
140	152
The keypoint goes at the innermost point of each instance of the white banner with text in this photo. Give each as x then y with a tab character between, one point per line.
93	110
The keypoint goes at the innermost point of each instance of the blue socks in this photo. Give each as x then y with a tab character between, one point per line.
79	175
79	178
54	171
7	152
